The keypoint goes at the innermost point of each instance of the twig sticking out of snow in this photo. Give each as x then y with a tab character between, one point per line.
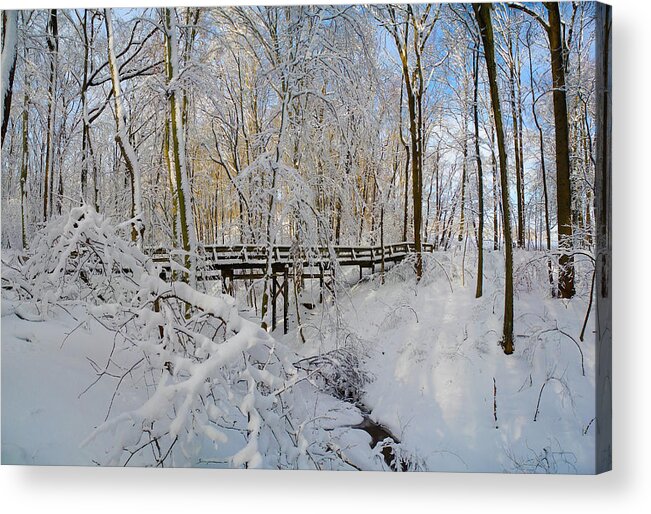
495	402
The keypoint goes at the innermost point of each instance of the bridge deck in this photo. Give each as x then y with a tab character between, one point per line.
251	257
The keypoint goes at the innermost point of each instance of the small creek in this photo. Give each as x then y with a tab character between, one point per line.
378	434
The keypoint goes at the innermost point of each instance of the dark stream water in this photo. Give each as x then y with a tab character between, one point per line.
380	433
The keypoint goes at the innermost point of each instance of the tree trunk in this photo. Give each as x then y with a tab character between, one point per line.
183	193
496	200
414	89
480	180
89	195
9	36
126	149
518	83
563	185
85	158
171	179
407	158
483	16
464	179
271	232
516	145
25	158
53	49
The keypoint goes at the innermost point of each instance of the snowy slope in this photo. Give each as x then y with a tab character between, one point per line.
433	352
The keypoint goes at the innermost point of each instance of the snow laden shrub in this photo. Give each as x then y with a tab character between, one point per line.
397	458
226	391
14	286
219	389
437	267
337	372
81	256
531	273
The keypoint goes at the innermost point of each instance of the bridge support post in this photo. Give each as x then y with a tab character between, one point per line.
274	294
285	300
321	283
227	282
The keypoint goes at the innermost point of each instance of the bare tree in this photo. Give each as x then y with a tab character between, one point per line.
24	165
53	50
122	137
483	16
410	49
9	36
557	49
480	177
543	167
179	178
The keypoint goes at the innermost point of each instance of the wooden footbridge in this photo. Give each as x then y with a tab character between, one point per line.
250	262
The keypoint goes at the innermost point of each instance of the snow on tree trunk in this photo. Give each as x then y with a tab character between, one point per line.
7	65
24	165
122	137
53	49
180	180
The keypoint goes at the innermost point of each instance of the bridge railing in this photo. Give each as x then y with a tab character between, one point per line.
241	253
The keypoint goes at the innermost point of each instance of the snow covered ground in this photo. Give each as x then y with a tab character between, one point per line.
52	400
45	370
436	377
440	376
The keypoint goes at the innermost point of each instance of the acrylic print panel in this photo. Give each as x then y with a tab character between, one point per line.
311	237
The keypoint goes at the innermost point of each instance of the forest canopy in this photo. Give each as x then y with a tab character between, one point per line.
310	101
